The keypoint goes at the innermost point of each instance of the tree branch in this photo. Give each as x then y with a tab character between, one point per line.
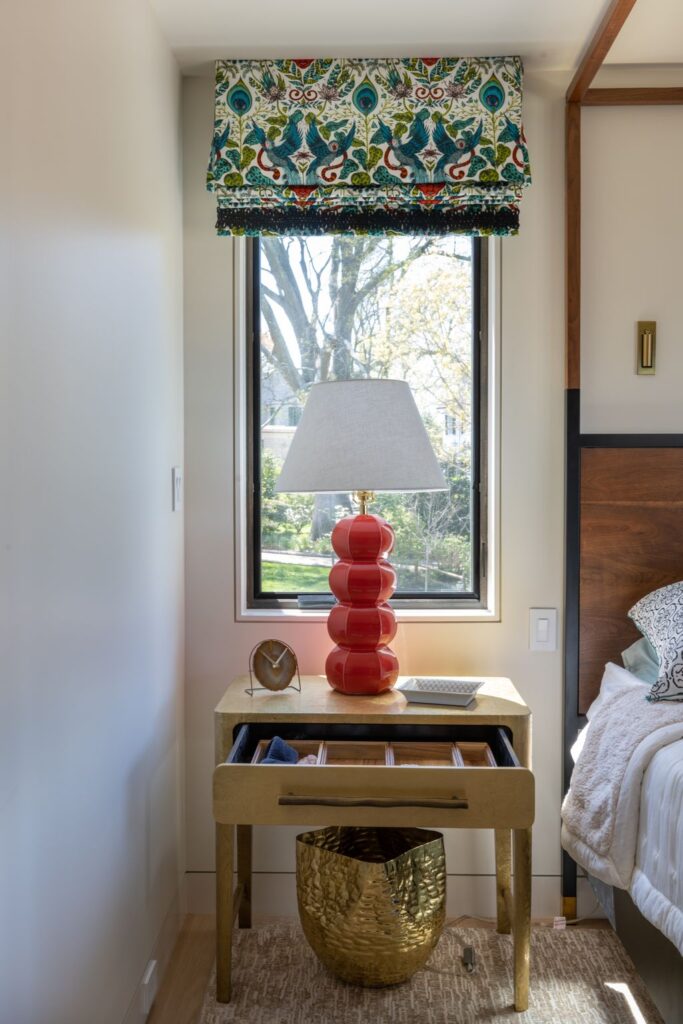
280	354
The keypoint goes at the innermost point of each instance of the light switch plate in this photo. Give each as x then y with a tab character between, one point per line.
543	629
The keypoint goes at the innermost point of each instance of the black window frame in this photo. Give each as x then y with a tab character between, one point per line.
477	597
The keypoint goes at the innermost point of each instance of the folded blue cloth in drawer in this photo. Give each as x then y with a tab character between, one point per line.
279	752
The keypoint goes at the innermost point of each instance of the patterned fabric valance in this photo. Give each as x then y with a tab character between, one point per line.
413	146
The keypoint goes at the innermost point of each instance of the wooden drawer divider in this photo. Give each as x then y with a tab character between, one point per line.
458	754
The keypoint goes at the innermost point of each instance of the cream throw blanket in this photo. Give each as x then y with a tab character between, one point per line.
600	812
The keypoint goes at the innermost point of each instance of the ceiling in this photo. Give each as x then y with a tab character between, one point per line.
546	33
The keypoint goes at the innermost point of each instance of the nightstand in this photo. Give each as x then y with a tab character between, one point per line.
428	792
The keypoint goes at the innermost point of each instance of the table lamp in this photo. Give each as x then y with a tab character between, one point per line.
360	437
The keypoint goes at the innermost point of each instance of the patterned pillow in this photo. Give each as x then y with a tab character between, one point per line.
659	616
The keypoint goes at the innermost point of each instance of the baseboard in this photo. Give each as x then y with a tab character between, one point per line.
274	894
161	951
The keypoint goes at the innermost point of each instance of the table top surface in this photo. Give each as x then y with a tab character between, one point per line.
496	701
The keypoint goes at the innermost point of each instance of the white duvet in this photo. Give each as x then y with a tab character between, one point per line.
605	826
657	883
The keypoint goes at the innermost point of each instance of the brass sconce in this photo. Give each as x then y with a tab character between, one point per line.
646	346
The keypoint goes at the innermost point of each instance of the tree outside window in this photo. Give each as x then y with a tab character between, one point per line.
334	308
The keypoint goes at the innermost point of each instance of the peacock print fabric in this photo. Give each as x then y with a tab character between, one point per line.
418	145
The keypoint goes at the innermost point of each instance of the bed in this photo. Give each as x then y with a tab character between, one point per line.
657	884
623	815
625	539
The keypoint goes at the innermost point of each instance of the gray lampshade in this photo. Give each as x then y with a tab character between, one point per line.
361	435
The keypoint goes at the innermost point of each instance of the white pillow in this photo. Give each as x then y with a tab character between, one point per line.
659	616
615	680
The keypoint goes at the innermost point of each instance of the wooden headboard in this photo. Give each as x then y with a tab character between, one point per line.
631	542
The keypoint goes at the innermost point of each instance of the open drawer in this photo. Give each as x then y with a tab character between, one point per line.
374	753
460	776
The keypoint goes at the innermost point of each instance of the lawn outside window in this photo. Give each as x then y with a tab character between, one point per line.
418	309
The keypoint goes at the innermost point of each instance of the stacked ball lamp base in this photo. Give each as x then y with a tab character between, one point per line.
362	624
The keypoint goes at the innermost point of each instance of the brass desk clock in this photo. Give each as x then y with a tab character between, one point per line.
274	664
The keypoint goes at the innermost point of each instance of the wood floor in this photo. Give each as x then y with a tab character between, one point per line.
181	994
182	991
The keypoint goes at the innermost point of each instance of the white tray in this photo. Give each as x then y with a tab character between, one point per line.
449	690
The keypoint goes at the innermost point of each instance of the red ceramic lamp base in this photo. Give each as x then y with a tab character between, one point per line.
362	624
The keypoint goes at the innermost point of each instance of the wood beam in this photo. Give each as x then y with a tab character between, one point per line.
595	53
598	48
632	97
573	242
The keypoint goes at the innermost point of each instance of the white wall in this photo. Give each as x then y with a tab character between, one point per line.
91	847
532	517
632	226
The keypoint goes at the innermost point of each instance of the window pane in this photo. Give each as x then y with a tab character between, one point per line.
333	308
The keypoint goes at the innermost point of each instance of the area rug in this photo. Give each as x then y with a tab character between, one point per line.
278	980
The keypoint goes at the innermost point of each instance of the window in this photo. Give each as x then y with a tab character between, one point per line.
328	308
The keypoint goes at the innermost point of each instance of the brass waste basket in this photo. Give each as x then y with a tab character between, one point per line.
372	901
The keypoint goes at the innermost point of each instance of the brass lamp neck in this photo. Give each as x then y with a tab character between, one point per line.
363	497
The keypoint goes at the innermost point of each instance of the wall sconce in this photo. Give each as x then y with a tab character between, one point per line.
646	346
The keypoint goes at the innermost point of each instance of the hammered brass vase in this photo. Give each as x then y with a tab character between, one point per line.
372	901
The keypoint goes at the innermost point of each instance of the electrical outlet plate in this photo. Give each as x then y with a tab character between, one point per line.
149	988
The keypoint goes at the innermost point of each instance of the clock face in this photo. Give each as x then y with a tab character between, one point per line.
274	664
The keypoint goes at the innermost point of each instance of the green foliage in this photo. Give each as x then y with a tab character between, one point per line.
433	533
285	518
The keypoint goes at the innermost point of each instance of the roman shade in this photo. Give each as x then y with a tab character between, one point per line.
412	146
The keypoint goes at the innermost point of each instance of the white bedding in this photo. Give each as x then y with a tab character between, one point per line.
657	884
626	827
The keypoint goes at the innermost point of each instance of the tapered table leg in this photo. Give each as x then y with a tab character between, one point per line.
225	841
244	844
522	916
503	838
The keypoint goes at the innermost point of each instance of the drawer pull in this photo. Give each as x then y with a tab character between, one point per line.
289	800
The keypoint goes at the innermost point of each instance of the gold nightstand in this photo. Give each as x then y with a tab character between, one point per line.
499	796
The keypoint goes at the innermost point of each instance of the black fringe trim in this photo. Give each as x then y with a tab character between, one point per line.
484	220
